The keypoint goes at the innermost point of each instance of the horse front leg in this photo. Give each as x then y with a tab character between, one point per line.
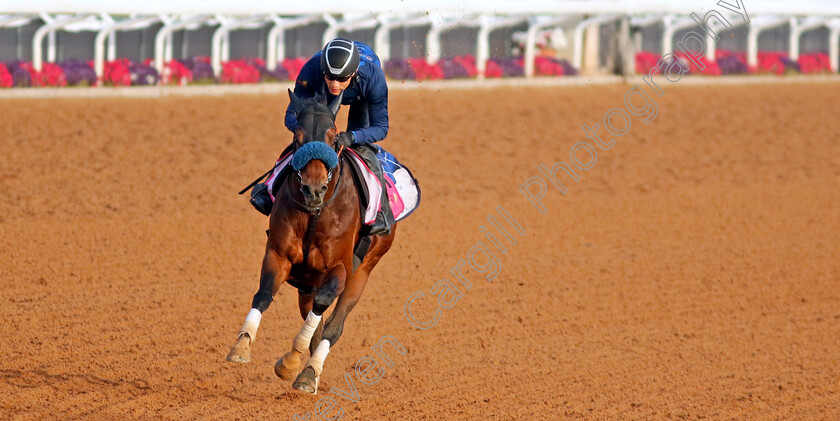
288	366
274	272
328	333
307	380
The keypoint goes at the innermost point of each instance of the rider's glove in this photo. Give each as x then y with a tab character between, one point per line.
345	139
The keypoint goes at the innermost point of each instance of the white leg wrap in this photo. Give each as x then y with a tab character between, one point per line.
316	361
303	337
252	322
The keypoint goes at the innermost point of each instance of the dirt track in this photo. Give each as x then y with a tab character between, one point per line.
692	272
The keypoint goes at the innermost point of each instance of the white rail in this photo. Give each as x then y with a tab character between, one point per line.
382	37
107	32
577	58
277	37
50	28
798	26
538	24
163	42
761	24
220	44
489	24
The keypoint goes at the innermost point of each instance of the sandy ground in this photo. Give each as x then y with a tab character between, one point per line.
691	273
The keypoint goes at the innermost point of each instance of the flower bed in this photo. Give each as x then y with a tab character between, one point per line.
735	63
198	70
124	72
463	67
811	63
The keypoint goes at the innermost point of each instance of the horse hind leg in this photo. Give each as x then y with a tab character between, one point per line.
273	268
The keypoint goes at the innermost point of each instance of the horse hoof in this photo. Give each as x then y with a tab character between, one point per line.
288	365
241	351
307	381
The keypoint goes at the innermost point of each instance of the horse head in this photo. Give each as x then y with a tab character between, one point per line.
315	158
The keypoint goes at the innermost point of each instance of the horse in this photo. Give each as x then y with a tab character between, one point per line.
313	228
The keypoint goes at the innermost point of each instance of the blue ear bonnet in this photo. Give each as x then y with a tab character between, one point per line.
314	150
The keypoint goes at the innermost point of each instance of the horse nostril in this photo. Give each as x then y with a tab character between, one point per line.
313	192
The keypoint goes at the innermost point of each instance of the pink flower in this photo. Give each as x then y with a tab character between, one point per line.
175	72
6	80
814	63
117	73
493	69
645	61
293	66
468	63
423	70
239	71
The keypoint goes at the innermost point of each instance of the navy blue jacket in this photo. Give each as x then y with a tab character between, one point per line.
367	95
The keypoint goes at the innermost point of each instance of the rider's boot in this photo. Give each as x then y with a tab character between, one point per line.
384	218
261	199
260	196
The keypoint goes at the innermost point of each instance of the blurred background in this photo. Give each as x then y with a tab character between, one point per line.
95	42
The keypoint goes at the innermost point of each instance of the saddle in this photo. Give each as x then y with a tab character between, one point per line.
401	187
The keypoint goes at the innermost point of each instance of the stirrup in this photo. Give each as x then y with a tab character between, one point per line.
261	200
378	227
379	230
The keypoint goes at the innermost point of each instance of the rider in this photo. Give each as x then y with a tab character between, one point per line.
352	67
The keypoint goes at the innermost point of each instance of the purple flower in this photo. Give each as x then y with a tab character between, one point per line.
201	70
278	74
452	70
568	69
143	75
732	65
510	66
790	65
20	76
399	69
78	72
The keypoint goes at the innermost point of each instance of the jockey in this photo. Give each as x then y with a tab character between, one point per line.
352	67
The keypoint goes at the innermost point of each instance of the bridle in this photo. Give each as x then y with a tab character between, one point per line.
315	211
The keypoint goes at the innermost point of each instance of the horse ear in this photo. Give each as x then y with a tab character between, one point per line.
297	104
336	103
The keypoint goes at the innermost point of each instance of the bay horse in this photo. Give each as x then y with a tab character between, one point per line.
313	228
